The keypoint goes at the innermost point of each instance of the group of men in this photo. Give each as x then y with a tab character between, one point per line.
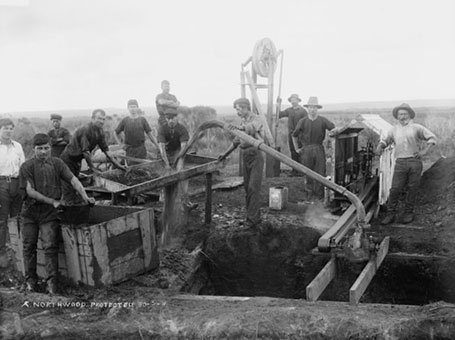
37	187
306	133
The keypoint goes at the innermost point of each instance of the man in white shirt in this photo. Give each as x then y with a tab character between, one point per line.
407	137
11	158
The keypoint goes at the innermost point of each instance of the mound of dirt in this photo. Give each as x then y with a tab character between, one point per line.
440	177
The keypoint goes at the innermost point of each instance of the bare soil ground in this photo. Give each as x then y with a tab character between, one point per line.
155	307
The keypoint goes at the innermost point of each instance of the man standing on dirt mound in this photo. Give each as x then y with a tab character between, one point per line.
253	159
294	114
83	142
134	128
41	178
164	101
60	137
407	137
310	133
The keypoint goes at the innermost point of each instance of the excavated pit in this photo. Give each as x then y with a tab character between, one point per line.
278	262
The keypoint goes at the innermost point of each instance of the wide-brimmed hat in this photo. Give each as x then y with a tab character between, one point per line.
294	95
56	116
313	101
406	107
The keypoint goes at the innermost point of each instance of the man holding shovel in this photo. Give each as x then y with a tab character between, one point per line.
83	142
41	178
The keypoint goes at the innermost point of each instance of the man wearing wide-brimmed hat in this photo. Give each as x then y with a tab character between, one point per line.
310	133
60	137
294	114
406	136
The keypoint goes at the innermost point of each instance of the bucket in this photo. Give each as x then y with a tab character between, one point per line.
278	197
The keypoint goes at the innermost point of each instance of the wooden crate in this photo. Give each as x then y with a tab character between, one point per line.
116	244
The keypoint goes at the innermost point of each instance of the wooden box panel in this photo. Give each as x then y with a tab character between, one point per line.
115	244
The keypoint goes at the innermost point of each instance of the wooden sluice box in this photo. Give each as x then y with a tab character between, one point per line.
99	246
150	177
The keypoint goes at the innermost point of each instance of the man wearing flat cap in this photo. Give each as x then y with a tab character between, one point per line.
310	132
165	100
172	137
134	128
11	158
294	114
41	178
407	137
60	137
253	159
82	143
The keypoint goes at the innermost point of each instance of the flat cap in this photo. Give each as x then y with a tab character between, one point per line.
132	102
170	112
242	101
56	116
40	139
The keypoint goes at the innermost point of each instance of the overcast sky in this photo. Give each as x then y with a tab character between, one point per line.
74	54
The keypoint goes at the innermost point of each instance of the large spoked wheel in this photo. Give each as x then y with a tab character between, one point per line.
264	57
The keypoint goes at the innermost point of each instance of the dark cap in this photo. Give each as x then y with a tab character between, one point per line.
132	102
56	116
406	107
242	101
6	122
40	139
170	112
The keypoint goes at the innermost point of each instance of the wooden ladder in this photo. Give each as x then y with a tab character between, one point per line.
328	273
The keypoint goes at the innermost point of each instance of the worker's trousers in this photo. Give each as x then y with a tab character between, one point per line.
294	154
253	168
405	176
313	157
137	151
49	238
10	206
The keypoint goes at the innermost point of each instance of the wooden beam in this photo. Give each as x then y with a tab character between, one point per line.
321	281
367	274
208	198
257	104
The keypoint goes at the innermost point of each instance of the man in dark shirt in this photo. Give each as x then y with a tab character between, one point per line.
294	114
172	137
83	142
134	127
60	137
310	133
164	101
41	178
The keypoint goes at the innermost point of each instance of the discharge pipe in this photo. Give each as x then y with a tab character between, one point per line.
282	158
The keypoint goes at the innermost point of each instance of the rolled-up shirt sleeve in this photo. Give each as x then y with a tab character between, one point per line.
427	135
388	139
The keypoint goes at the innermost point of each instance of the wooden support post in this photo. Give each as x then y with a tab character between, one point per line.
321	281
367	274
257	105
208	198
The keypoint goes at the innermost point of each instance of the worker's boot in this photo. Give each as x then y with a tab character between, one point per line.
52	286
31	285
389	218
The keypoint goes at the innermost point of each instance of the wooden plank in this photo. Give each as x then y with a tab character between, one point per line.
145	220
121	225
40	258
321	281
208	198
101	255
72	253
137	253
257	104
126	269
367	274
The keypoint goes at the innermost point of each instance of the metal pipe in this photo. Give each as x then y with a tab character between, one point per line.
284	159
